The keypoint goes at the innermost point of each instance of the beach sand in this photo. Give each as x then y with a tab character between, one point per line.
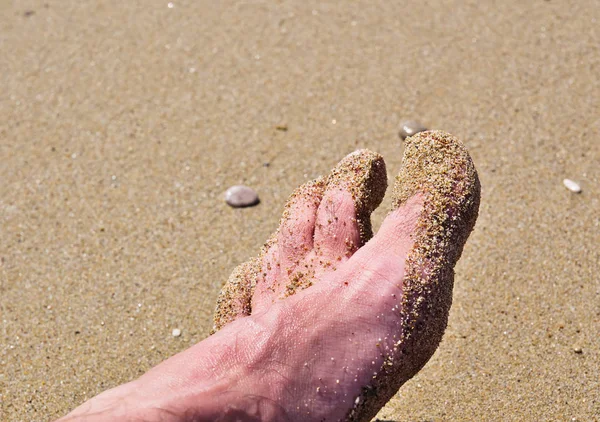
123	123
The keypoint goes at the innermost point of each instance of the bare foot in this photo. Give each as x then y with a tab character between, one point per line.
322	326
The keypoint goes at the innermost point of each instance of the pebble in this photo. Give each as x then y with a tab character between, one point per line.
410	127
176	332
577	349
572	186
241	196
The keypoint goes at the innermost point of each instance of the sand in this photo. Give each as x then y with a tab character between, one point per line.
123	123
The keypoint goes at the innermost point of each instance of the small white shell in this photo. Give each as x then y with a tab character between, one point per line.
241	196
176	332
409	128
572	186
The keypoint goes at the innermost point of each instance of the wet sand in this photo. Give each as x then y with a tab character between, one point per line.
123	124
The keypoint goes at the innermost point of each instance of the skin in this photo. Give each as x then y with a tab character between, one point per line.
338	341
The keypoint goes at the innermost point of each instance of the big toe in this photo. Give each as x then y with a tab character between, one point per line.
438	166
439	180
436	201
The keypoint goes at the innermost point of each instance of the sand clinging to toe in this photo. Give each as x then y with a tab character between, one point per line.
363	174
437	166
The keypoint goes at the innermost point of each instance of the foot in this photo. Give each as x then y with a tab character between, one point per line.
324	324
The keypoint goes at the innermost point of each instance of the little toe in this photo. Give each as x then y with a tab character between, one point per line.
255	283
234	300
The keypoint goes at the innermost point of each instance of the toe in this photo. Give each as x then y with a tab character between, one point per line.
436	201
337	232
438	180
288	247
297	227
234	301
355	188
438	166
254	284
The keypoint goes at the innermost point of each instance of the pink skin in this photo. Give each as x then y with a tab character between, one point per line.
304	357
314	233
